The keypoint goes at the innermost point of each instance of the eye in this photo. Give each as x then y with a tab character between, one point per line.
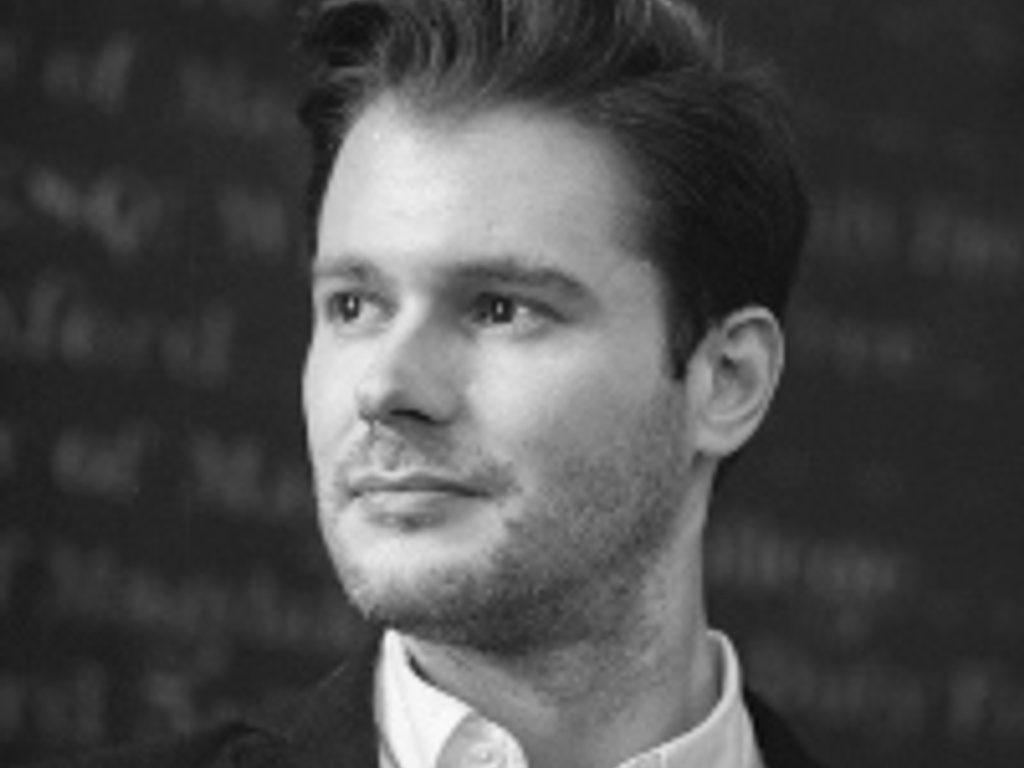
344	307
352	310
492	309
507	313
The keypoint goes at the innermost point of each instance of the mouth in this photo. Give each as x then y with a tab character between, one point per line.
412	500
412	483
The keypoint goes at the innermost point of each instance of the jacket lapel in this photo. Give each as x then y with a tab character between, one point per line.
333	725
779	746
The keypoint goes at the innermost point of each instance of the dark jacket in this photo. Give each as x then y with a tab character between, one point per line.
333	726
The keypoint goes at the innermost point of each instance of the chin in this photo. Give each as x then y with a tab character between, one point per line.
491	609
424	601
405	595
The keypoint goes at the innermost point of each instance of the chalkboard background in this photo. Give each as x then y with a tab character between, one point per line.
159	564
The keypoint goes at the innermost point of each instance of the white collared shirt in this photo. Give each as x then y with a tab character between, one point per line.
423	727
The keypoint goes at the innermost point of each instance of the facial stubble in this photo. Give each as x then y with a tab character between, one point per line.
572	565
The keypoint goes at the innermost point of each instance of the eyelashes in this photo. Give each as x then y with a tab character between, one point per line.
353	311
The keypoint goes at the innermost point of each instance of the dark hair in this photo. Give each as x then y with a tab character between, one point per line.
724	210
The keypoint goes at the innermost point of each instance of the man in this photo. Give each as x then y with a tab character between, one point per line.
552	243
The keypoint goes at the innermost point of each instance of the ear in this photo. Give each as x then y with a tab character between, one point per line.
732	378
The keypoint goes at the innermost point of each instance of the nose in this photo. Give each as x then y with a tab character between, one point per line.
411	376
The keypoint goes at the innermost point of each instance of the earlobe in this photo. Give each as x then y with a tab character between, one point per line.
734	375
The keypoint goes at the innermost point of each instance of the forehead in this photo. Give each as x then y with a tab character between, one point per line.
504	181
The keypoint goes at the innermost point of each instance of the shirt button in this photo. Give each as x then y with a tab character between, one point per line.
486	756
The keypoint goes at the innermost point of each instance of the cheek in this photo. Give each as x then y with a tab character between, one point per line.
555	409
327	401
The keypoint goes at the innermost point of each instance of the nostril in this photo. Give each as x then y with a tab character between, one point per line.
413	376
409	396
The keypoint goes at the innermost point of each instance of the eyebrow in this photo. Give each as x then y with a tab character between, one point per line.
342	267
511	270
520	272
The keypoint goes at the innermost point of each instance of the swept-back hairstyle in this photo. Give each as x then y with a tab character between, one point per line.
723	209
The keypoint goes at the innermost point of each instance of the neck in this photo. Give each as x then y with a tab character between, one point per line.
596	703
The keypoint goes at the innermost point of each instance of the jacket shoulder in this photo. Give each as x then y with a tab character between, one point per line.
234	745
331	724
779	745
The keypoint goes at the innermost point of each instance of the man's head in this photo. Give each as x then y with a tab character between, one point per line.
504	452
721	207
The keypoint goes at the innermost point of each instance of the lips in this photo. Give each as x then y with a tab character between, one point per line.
411	501
413	483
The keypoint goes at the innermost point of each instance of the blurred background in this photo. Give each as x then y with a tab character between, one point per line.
159	562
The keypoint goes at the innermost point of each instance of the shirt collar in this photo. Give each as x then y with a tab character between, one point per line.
417	720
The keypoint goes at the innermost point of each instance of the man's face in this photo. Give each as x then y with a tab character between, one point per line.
499	451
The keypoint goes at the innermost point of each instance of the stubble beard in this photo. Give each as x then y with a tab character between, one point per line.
570	570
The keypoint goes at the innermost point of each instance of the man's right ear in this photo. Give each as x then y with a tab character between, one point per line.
732	377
